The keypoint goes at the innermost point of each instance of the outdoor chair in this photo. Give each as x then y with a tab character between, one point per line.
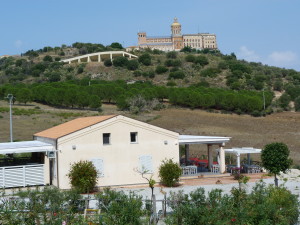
215	168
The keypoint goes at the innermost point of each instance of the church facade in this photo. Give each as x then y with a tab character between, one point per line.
176	41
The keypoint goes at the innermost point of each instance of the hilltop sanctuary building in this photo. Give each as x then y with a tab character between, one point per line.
177	41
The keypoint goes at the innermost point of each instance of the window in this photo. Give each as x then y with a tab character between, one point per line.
106	138
99	165
133	137
146	163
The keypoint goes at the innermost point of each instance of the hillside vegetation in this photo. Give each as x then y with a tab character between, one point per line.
197	79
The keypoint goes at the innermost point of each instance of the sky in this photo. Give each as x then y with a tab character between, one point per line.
264	31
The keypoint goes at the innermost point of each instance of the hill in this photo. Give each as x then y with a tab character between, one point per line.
192	70
245	130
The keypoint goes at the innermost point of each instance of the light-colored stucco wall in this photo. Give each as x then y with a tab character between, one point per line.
46	160
121	158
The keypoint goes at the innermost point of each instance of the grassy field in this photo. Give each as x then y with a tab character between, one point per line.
246	131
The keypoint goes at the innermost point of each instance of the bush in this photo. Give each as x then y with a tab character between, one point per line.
297	104
190	58
169	172
210	72
176	75
118	208
107	63
132	64
145	59
284	101
264	205
137	73
161	69
48	58
83	176
202	60
172	55
120	61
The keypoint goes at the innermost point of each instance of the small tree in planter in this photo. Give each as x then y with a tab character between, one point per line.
83	176
275	158
169	172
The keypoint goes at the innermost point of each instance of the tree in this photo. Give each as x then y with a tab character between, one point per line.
24	95
83	176
169	172
48	58
116	45
94	102
275	158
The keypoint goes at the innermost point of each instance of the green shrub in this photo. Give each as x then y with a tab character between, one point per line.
284	101
118	208
48	58
161	69
264	205
202	60
210	72
297	104
120	61
176	75
172	55
107	63
83	176
190	58
132	64
145	59
169	172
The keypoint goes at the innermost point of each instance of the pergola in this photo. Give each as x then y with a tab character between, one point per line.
209	141
244	150
23	174
25	147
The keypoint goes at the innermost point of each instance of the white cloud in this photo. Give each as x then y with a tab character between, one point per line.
248	54
18	43
282	59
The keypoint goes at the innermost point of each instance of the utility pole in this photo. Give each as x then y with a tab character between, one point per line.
10	98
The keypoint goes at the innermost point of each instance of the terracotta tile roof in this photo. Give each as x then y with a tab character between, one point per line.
72	126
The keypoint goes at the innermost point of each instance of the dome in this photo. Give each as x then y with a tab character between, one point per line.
175	23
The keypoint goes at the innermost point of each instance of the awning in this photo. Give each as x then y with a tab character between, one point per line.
25	147
192	139
243	150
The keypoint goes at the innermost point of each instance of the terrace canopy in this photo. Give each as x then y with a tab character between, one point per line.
209	141
25	147
244	150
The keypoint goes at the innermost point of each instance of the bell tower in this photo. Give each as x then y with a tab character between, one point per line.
176	28
177	38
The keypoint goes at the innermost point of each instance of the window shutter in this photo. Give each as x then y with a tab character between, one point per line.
99	165
146	163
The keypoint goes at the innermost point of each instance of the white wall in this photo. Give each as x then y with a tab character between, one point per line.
121	158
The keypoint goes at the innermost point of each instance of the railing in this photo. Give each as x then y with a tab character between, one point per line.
22	176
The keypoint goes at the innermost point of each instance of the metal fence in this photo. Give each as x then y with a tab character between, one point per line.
22	176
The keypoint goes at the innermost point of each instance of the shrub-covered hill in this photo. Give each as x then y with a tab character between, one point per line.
187	69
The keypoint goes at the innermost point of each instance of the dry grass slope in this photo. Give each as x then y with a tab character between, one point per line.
246	131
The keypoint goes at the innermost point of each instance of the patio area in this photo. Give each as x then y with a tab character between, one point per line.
216	165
